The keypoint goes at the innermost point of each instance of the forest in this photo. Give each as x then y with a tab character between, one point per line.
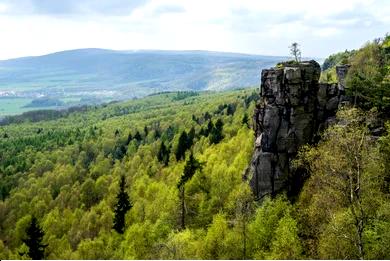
162	178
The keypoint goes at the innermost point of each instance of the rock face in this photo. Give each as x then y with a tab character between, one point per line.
293	108
341	71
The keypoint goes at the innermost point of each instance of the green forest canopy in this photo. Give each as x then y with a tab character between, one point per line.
62	177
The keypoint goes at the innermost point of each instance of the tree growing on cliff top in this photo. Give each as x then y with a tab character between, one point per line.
295	51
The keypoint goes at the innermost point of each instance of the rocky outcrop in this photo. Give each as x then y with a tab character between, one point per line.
293	108
341	71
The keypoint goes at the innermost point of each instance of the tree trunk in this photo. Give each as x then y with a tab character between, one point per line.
183	211
244	234
360	239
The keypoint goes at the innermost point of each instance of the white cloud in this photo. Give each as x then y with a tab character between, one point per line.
328	31
263	27
3	8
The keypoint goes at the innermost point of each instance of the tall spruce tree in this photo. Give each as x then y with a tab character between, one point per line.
182	146
146	131
191	137
210	127
163	154
192	165
34	240
245	120
138	136
129	138
123	205
216	133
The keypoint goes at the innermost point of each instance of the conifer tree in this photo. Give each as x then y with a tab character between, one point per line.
245	120
191	137
210	127
170	133
192	165
123	205
138	136
157	134
202	132
216	133
181	146
34	240
146	131
207	116
163	154
129	138
195	119
231	109
120	152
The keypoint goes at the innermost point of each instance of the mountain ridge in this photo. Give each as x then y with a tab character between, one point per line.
103	75
142	51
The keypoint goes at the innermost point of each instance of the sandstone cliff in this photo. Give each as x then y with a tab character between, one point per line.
293	108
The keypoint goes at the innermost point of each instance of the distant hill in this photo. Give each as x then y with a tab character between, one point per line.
130	73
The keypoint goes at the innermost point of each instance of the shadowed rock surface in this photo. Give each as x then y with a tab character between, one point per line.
293	108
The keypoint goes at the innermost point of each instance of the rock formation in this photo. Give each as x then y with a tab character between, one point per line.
293	108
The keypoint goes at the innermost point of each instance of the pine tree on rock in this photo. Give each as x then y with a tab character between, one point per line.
123	205
34	240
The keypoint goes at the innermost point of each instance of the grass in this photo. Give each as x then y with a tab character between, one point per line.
13	106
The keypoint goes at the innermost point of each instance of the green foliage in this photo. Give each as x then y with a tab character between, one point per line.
337	59
329	75
341	203
64	172
183	95
367	78
214	246
262	228
287	244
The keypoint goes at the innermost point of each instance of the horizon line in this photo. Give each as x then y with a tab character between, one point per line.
151	50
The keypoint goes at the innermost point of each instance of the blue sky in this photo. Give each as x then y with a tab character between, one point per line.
35	27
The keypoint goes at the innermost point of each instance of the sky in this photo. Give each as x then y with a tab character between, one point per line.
268	27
